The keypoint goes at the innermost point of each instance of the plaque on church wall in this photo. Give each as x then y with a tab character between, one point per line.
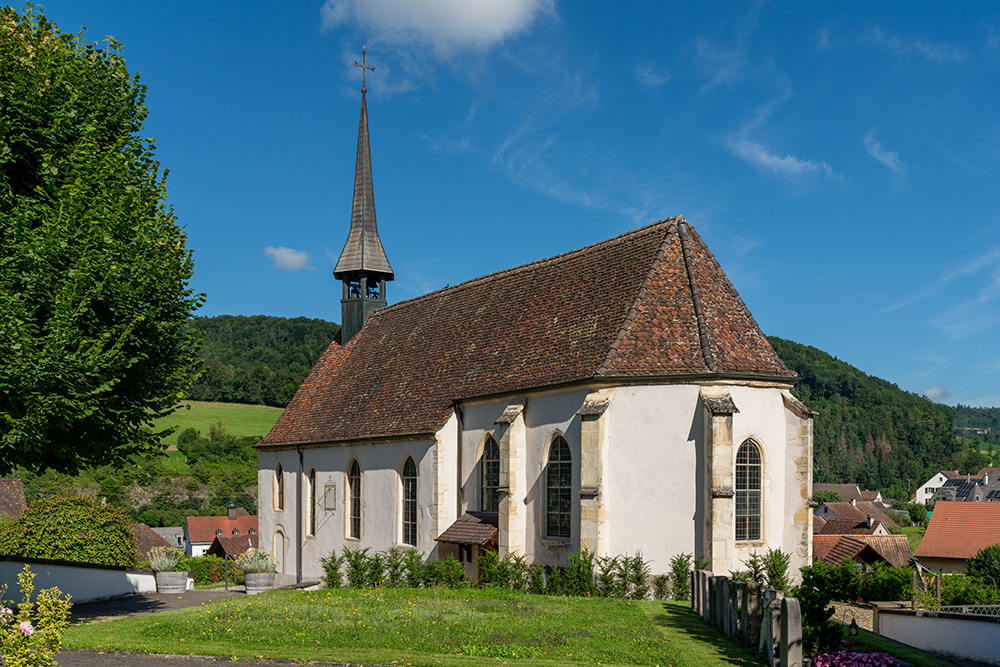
330	497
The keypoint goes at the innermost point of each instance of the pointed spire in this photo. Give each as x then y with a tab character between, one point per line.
363	251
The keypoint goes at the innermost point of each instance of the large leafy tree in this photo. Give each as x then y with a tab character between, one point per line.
94	269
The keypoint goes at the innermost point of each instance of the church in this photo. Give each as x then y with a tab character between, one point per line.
618	398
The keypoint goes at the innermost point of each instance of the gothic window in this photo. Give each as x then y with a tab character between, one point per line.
279	488
558	480
410	502
748	476
489	476
311	508
354	485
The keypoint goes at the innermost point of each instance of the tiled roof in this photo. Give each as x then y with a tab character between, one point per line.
146	539
859	512
960	530
12	498
847	527
649	303
201	529
818	523
471	528
234	545
363	249
847	492
870	496
833	549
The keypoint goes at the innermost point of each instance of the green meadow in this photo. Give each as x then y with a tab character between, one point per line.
238	420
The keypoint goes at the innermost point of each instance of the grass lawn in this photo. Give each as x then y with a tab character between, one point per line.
238	419
425	627
914	534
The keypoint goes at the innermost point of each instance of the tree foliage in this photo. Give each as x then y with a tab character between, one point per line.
72	528
986	565
260	360
94	296
869	431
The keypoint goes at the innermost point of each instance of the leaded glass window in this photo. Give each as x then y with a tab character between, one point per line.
748	475
410	502
312	502
490	482
558	482
354	485
279	488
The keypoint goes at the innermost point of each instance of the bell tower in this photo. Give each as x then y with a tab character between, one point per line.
363	267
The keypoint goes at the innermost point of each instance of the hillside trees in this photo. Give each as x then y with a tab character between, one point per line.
94	269
868	430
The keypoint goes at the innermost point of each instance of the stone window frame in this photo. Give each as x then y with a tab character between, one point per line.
354	490
753	516
566	490
408	504
310	494
483	471
279	488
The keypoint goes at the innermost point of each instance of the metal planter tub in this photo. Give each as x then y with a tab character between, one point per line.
258	581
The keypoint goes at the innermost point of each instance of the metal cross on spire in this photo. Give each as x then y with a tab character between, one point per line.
364	66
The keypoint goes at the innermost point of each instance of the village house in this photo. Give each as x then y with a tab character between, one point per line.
957	532
618	398
201	531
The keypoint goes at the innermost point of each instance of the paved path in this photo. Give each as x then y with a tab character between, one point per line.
152	603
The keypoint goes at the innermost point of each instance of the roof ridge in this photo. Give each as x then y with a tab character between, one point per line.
704	343
626	324
524	267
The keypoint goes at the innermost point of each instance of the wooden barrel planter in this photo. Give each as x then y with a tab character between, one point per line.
171	583
256	582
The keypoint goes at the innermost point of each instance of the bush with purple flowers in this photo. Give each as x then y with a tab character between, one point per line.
847	659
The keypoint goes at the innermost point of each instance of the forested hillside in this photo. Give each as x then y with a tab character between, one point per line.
869	430
259	360
980	423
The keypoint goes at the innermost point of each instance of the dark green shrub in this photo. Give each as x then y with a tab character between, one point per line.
884	582
413	563
985	565
680	577
489	569
356	561
210	570
701	562
580	574
819	633
961	589
448	572
606	576
72	528
332	576
554	584
518	572
375	570
756	570
536	578
638	577
661	587
776	563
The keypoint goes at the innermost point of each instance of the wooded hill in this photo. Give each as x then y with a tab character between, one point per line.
870	431
257	360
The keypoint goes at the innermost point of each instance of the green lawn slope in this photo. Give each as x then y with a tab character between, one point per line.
237	419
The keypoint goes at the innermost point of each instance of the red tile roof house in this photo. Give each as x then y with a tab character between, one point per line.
956	532
200	531
856	512
619	398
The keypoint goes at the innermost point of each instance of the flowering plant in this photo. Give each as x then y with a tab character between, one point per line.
256	561
165	559
24	643
846	659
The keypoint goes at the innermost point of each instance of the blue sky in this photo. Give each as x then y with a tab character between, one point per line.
840	159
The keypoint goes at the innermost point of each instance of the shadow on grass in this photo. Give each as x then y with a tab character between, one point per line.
699	642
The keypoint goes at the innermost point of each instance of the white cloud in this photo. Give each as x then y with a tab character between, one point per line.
446	25
988	261
937	52
936	393
651	76
789	165
288	259
886	157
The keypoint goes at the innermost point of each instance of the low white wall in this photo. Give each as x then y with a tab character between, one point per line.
962	636
82	581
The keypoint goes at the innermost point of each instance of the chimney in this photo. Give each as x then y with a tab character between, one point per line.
871	520
854	502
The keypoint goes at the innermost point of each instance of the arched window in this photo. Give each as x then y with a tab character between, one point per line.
489	476
558	483
748	474
279	488
410	502
311	509
354	484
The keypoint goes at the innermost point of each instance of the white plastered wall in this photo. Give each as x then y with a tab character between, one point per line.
381	498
